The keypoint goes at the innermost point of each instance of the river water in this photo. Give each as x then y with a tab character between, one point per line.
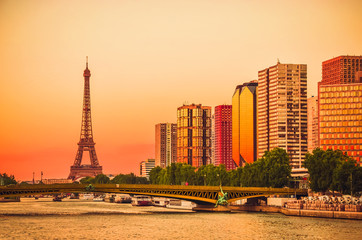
76	219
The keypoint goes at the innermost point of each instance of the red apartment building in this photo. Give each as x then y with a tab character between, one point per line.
223	136
340	105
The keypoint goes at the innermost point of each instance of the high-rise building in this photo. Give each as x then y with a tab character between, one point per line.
166	144
341	70
146	167
282	111
194	135
340	110
340	118
223	142
313	138
244	124
213	143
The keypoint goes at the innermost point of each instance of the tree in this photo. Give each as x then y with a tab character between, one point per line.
87	180
235	177
276	168
347	177
272	170
101	179
129	179
321	166
7	180
154	175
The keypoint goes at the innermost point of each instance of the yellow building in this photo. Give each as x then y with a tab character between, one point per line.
194	135
244	123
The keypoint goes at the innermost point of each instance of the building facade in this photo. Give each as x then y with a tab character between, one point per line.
244	124
213	143
282	111
223	137
146	167
165	144
340	118
342	70
194	135
313	135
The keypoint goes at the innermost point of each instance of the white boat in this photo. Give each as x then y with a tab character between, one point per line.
122	198
181	204
160	201
86	196
141	200
98	199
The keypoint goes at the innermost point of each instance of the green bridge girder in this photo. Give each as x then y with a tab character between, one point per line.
207	194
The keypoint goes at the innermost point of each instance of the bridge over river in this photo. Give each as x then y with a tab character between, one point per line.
201	194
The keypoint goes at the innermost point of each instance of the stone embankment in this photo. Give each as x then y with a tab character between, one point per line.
302	209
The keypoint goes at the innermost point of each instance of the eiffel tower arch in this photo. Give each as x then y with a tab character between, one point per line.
86	142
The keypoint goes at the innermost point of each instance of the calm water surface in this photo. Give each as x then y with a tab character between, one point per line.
74	219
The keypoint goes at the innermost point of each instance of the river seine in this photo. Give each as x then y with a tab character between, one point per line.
75	219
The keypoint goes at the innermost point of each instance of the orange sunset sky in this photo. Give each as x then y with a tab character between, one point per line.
147	57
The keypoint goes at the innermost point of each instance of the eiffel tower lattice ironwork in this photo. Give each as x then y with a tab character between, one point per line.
86	143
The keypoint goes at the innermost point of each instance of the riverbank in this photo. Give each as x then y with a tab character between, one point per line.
299	212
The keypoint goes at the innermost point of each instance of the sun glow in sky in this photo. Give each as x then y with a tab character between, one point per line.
147	58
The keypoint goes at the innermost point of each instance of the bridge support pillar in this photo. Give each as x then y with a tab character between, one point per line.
210	208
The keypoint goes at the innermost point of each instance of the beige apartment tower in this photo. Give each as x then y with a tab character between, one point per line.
166	144
313	138
194	135
282	111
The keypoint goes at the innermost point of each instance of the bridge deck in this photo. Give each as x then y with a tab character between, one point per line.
207	194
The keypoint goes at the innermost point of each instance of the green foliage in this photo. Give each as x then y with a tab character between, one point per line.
322	167
7	180
129	179
272	170
346	175
154	174
180	174
119	179
235	177
87	180
101	179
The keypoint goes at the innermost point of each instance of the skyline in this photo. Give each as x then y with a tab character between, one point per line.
146	60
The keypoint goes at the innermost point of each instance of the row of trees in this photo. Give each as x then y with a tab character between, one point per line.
119	179
328	170
333	170
6	179
272	170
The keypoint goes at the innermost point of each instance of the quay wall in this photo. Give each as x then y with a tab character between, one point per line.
299	212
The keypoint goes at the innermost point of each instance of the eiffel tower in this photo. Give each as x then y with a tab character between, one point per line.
86	142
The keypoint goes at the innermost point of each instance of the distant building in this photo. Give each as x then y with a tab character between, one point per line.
146	167
166	144
213	143
57	181
194	135
313	138
223	142
282	112
342	70
340	115
244	124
